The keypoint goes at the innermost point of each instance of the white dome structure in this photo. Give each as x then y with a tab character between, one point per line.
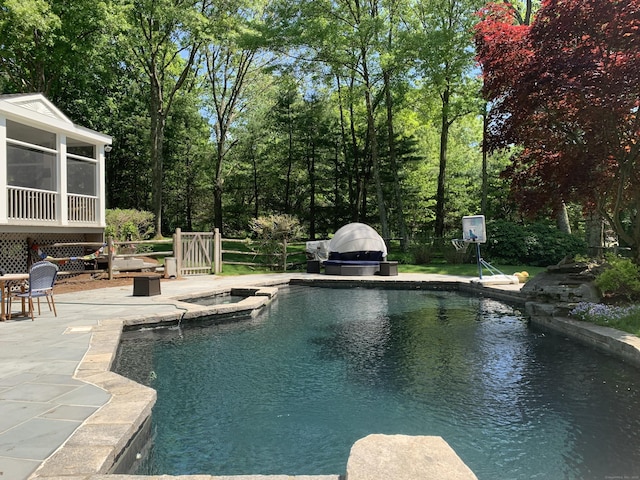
357	241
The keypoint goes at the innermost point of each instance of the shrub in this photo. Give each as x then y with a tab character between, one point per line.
422	254
539	244
272	232
620	277
128	224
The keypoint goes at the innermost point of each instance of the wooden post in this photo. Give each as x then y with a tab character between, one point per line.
217	252
177	251
284	255
110	254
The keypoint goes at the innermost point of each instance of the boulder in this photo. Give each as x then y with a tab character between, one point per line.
564	283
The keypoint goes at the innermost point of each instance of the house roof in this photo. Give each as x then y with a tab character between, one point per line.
35	109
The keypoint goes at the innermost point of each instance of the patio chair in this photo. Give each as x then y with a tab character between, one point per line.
42	276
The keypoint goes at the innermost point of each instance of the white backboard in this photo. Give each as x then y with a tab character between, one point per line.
473	229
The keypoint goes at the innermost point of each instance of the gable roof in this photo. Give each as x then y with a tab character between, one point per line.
36	109
37	103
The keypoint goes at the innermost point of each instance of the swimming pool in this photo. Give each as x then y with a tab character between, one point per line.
290	391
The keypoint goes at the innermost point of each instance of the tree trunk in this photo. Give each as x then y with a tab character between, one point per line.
562	219
158	121
256	189
217	207
287	190
219	180
311	168
357	198
594	230
444	139
485	164
402	226
373	146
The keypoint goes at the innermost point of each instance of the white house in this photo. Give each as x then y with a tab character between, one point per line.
52	182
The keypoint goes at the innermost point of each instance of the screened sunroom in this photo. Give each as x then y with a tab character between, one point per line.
51	170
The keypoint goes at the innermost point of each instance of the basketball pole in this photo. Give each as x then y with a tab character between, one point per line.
479	260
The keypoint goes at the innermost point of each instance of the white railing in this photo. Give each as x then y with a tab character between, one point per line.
31	205
81	208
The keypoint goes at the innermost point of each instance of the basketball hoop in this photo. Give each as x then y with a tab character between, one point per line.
460	244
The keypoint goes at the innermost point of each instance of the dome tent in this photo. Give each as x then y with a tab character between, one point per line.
357	241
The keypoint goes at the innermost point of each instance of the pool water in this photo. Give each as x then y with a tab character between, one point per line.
290	391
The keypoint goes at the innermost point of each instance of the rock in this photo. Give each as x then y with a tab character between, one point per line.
403	457
566	283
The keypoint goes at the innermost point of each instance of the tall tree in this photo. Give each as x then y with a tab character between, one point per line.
234	58
445	60
164	38
523	16
394	64
346	35
186	184
567	91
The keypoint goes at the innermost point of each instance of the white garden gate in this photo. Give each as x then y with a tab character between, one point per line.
196	253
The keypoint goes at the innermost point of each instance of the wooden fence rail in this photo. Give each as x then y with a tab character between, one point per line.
194	253
255	253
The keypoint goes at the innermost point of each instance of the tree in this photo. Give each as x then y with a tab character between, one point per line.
63	49
234	59
186	201
446	61
566	90
346	36
164	39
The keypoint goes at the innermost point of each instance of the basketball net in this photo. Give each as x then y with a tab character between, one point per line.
460	244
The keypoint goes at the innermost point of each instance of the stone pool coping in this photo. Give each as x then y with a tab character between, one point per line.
95	447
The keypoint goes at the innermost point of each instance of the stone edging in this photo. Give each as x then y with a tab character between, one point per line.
609	340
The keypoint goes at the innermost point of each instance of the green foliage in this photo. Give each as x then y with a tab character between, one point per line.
625	318
538	244
531	81
422	254
129	224
273	233
621	277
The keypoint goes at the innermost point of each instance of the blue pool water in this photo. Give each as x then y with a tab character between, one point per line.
290	391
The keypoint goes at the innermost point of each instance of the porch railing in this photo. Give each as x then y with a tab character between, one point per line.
31	205
81	208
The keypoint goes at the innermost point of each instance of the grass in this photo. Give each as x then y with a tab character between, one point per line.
439	268
466	269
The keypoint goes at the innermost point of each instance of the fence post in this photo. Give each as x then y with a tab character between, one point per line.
217	251
110	253
177	251
284	255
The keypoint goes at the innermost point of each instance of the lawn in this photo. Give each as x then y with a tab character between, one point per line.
440	268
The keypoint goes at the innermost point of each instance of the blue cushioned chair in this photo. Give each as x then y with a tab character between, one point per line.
42	276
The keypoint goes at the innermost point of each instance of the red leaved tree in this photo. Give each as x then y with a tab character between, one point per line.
566	92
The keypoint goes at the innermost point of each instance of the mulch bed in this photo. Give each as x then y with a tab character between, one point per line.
92	281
